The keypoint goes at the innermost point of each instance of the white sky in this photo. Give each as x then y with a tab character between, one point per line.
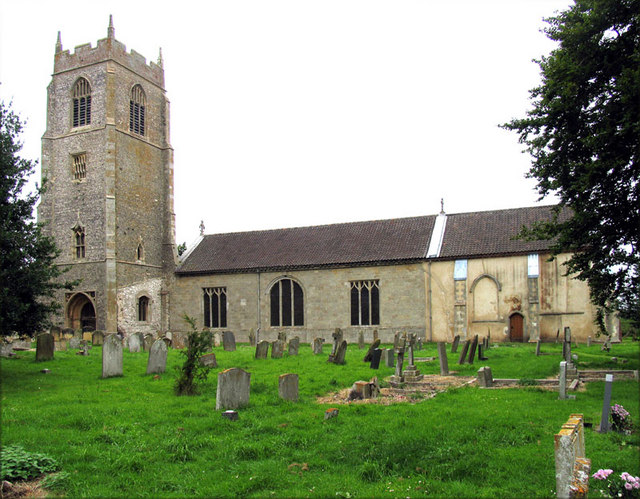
295	112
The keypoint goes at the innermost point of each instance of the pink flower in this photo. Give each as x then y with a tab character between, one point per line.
628	486
602	474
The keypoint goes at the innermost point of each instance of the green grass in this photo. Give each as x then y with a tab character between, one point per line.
132	436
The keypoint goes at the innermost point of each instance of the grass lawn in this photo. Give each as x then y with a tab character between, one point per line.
131	436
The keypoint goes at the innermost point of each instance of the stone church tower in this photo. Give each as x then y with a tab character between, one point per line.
108	165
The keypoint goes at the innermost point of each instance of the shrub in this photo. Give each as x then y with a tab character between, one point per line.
18	464
198	342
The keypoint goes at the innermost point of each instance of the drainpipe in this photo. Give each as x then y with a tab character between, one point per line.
430	309
258	314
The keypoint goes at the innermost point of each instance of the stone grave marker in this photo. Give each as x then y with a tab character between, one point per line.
472	349
157	362
97	338
317	346
209	360
167	341
463	354
86	335
44	347
411	373
56	332
134	343
74	343
61	346
67	332
341	353
485	377
442	356
148	342
282	336
111	356
397	377
588	341
538	342
375	334
360	339
562	381
277	349
375	359
294	345
228	341
606	405
369	354
217	338
262	349
288	387
388	356
572	467
456	342
252	338
337	339
6	350
481	350
233	389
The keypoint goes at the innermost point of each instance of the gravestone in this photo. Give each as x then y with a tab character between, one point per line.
463	354
317	346
74	342
209	360
388	356
571	466
375	334
294	345
97	338
538	348
44	347
86	335
375	359
217	338
341	353
262	349
456	342
111	356
360	339
133	341
337	339
148	342
481	349
233	389
562	381
6	350
56	332
228	341
606	405
288	387
167	341
397	377
442	355
588	341
472	349
397	337
252	338
68	332
157	363
61	346
485	377
411	373
277	349
369	354
282	336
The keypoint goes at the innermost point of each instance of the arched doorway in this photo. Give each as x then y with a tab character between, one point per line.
81	313
516	327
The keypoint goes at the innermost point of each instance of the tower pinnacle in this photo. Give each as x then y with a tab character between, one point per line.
110	30
59	43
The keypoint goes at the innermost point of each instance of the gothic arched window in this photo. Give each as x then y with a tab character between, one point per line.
287	304
143	308
78	242
81	103
137	106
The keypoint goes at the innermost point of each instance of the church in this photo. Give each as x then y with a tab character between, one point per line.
108	163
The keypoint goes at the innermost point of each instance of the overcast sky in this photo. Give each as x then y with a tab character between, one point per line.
293	112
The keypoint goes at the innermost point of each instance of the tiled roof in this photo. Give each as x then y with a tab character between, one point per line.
363	243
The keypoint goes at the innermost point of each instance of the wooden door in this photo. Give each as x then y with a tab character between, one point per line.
516	327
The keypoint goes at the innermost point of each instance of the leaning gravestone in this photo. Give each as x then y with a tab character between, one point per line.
456	342
233	389
472	349
463	354
288	387
317	346
133	341
294	345
341	353
157	363
44	347
442	355
97	338
111	356
209	360
375	359
262	349
369	355
228	341
337	339
277	349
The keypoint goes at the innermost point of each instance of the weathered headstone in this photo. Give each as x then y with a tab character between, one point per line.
217	338
388	356
562	381
44	347
481	350
397	377
588	341
472	349
463	354
288	387
262	349
228	341
397	337
97	338
68	332
209	360
157	362
294	345
538	348
485	377
456	342
133	342
442	355
360	339
282	336
148	342
341	353
233	389
111	356
572	467
369	354
252	338
74	343
375	359
277	349
56	332
606	405
61	346
337	339
317	346
411	373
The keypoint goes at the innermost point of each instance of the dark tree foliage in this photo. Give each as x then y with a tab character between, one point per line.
584	136
28	274
191	372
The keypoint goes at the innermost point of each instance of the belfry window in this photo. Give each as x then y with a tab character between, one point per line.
81	103
143	309
79	166
287	304
365	303
215	307
78	239
137	106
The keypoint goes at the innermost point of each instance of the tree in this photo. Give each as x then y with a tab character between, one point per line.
192	371
584	137
28	274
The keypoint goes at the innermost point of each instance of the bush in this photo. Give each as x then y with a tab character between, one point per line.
198	342
18	464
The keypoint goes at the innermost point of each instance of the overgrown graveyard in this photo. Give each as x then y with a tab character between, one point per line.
131	436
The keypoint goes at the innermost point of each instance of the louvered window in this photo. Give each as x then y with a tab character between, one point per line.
81	103
137	106
365	303
215	307
79	166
